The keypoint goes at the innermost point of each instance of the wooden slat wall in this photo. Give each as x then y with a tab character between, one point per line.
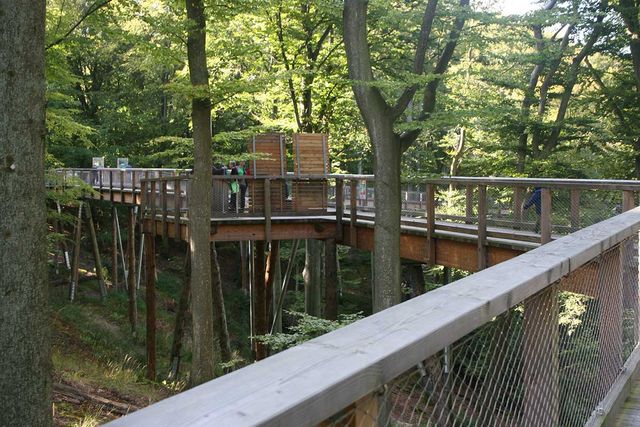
311	157
273	145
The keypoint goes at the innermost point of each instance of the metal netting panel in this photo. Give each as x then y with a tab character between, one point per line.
547	361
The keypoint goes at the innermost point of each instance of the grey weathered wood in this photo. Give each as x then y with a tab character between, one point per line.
482	227
308	383
628	200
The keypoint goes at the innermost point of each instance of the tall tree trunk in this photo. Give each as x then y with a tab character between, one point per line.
24	308
220	317
312	275
202	367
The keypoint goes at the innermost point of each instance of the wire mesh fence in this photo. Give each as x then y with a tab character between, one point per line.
547	361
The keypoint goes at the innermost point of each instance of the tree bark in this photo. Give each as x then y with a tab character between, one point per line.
220	317
202	367
24	307
379	119
312	275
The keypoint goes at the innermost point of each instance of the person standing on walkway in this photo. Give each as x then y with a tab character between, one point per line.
535	200
243	184
233	187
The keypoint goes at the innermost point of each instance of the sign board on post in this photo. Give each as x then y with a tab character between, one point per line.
123	162
97	162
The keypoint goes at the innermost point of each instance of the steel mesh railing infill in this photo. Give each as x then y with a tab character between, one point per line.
547	361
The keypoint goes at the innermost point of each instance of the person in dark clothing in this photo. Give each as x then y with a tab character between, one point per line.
243	184
535	200
233	187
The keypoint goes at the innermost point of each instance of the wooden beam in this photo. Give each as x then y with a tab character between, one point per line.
469	204
177	205
150	294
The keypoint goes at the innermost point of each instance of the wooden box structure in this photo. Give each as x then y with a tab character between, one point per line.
271	149
311	157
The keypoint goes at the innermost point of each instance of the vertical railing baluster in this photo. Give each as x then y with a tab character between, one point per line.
353	235
177	201
122	186
152	202
469	204
431	224
163	201
482	227
545	216
143	203
628	200
267	210
339	207
111	185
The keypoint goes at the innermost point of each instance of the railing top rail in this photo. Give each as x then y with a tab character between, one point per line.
605	184
309	383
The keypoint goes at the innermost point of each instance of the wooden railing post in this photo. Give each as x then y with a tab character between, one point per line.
628	200
482	227
545	216
431	224
518	193
339	207
353	233
267	210
469	204
163	201
122	200
177	202
111	186
575	209
152	202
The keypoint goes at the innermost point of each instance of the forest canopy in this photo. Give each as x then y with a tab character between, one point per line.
551	92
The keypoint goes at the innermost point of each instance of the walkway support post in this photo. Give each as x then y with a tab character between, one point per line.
131	276
150	294
353	233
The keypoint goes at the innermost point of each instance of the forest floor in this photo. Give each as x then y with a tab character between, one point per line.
99	371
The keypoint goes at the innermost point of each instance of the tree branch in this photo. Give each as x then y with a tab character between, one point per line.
93	8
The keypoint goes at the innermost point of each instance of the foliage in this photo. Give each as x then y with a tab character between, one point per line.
306	327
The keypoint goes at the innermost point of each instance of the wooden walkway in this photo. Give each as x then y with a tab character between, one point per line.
630	412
